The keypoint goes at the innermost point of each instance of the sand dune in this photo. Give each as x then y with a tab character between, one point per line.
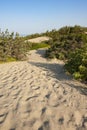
38	95
38	39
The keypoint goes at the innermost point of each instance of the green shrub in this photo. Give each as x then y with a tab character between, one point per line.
77	75
77	64
67	40
12	47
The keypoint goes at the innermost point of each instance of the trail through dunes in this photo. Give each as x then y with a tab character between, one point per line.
38	95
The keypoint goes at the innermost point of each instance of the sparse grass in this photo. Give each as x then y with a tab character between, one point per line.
36	46
9	59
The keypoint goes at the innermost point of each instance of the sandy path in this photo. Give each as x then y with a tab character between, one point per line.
37	95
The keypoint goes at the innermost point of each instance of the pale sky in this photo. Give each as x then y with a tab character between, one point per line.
35	16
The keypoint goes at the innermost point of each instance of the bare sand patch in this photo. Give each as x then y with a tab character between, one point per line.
38	95
39	39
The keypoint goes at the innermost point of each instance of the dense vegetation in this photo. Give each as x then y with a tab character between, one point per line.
77	63
12	47
70	44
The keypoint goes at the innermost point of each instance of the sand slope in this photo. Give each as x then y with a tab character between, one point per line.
39	39
38	95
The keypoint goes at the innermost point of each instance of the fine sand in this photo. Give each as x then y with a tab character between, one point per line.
38	95
38	39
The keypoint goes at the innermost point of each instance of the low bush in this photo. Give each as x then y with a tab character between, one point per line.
77	64
12	47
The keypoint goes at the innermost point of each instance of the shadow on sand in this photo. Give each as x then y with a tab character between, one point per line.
53	70
41	52
81	88
56	70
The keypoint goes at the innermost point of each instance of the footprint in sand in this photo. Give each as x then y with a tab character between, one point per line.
33	96
45	126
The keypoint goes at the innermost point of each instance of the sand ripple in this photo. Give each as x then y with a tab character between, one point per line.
38	95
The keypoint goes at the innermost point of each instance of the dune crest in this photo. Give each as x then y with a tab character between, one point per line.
38	39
